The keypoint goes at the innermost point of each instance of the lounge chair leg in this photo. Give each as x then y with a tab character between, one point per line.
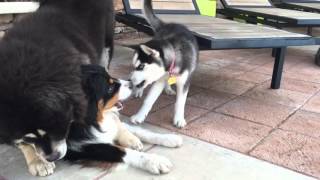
274	52
278	67
309	30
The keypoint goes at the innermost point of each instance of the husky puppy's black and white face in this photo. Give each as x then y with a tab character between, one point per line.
148	65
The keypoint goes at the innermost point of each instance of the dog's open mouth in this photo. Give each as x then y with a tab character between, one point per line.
141	84
119	105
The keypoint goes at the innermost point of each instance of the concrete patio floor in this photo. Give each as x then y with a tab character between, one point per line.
237	128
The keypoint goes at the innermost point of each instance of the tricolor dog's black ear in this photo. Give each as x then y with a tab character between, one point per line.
94	79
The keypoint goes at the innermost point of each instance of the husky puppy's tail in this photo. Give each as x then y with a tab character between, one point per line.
152	19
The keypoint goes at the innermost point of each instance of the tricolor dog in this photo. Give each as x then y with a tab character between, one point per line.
170	57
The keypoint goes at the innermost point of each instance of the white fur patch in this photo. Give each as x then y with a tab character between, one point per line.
150	162
61	147
125	91
168	140
41	132
30	135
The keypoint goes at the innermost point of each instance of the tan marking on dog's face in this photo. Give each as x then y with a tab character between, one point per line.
111	81
106	106
112	101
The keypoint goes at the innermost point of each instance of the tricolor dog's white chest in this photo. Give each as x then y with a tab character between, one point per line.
109	127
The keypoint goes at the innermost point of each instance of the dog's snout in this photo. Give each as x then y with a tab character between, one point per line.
53	157
140	85
130	84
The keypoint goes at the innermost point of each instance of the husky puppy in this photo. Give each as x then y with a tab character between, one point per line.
171	55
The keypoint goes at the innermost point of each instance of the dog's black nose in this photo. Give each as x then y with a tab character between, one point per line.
53	157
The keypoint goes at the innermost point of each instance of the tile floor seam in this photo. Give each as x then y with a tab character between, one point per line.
243	119
262	140
309	136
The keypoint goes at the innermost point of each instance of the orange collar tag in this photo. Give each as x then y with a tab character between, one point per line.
172	80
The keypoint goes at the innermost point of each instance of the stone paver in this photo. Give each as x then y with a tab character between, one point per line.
224	84
209	99
304	122
292	150
226	131
254	77
313	104
257	111
280	96
299	86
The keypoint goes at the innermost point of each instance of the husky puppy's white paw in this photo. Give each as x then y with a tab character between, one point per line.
39	167
137	119
157	164
138	93
179	123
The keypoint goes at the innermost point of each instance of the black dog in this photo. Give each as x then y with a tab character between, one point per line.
40	75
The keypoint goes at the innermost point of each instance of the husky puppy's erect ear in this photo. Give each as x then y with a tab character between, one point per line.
150	51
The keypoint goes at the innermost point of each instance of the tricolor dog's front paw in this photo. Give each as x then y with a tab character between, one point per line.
157	164
133	143
39	167
172	140
137	119
179	123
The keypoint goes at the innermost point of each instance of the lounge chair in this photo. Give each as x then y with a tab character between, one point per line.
216	33
303	5
264	12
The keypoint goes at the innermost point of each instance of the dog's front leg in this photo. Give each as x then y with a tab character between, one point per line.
182	92
152	96
37	165
126	139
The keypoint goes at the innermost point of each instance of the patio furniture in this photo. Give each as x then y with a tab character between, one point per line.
18	7
302	5
216	33
264	12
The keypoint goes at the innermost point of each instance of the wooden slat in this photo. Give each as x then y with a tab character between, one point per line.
248	3
165	4
216	28
309	5
18	7
284	13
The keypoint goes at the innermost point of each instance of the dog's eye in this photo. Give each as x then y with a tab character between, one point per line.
140	67
110	89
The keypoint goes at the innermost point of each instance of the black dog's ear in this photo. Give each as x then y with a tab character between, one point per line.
94	78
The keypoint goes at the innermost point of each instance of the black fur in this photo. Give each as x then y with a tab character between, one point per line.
97	152
40	58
